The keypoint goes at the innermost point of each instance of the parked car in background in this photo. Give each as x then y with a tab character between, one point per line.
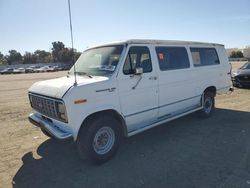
52	69
35	68
66	66
31	69
7	71
58	68
42	69
241	78
19	71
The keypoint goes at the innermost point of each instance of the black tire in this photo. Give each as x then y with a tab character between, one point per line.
46	133
105	128
208	105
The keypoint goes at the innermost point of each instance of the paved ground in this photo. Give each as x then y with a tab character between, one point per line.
188	152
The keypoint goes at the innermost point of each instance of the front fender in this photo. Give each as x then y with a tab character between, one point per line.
91	111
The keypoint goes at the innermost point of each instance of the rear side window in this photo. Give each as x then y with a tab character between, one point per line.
171	58
138	56
204	56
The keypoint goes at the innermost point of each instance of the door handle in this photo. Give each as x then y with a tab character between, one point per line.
153	78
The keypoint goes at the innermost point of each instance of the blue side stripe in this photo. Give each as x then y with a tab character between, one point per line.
167	116
162	106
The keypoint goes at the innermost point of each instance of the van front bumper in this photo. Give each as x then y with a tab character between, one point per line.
48	126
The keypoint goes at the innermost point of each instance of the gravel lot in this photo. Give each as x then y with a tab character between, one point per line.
188	152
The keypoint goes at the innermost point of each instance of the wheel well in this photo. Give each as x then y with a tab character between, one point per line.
211	89
111	113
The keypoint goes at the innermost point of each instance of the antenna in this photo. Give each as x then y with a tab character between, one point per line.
72	42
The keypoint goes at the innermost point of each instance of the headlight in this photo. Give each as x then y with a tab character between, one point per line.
234	74
61	111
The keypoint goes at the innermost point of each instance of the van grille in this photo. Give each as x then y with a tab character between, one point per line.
43	105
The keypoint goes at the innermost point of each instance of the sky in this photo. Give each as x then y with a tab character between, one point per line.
28	25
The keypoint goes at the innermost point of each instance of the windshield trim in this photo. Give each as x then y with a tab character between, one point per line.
96	47
123	46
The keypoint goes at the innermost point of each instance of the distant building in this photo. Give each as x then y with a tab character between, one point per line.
246	52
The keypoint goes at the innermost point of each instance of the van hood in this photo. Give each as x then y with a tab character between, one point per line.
58	87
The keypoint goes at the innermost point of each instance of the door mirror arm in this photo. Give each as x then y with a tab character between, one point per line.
138	72
140	77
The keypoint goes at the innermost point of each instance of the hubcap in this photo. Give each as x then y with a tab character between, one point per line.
208	104
104	140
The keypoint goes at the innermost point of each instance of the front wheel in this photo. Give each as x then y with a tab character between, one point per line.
208	104
100	139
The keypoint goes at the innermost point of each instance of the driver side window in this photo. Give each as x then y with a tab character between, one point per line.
138	56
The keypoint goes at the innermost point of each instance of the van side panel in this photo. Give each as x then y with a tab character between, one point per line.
177	92
213	75
181	90
224	82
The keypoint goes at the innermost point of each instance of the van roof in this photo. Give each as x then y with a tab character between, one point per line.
160	42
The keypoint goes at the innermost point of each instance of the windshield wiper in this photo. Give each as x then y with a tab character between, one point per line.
84	73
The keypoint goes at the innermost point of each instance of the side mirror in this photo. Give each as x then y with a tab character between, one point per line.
138	71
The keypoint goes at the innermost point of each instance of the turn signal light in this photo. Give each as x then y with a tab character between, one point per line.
80	101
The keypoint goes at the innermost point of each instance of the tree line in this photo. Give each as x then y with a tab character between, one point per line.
236	54
59	53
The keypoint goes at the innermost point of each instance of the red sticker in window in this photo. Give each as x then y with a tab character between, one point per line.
161	56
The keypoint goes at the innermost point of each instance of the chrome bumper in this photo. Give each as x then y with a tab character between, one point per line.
55	131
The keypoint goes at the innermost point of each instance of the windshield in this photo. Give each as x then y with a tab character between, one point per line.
246	66
100	61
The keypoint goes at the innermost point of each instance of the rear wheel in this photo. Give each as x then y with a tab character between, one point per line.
208	105
100	139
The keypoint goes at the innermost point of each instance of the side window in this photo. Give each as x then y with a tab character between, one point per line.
171	58
204	56
138	56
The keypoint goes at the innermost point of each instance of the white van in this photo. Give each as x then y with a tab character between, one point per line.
123	88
